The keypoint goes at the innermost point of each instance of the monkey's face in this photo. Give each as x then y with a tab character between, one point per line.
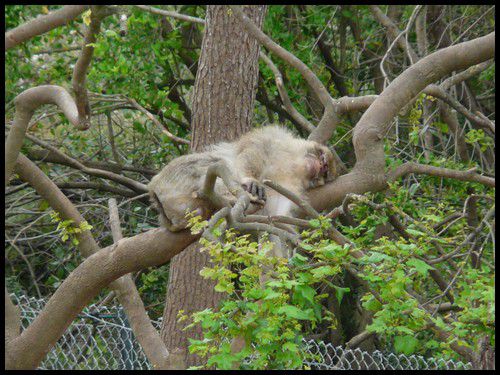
320	165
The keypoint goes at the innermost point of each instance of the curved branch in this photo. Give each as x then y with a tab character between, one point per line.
148	249
124	287
371	128
438	92
344	105
26	103
368	173
430	170
42	24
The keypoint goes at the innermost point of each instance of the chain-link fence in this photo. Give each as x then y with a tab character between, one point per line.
100	338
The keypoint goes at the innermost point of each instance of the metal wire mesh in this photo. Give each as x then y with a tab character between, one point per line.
100	338
328	357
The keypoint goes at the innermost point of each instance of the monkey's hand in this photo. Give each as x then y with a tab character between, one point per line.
256	190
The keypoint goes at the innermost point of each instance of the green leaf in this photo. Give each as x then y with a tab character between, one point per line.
291	346
315	223
405	344
420	266
139	127
298	260
272	295
324	271
296	313
415	232
372	304
376	257
111	33
339	292
306	292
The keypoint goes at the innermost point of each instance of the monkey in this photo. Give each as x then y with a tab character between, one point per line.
270	152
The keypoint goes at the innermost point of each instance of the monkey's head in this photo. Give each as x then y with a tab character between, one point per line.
320	165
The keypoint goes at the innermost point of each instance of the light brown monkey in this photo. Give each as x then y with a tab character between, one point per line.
271	152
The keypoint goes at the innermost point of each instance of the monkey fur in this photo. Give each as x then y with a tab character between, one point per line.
270	152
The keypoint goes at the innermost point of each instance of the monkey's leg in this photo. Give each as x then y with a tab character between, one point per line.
174	208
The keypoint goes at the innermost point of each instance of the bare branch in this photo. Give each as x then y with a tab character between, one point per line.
311	78
306	207
301	120
26	103
129	297
466	74
438	92
125	181
96	186
156	122
42	24
83	63
168	13
393	31
411	167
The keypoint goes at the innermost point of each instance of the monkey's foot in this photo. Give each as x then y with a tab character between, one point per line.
256	190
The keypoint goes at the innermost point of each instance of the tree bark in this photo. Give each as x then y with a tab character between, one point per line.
223	104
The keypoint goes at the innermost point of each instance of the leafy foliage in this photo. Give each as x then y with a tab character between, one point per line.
272	304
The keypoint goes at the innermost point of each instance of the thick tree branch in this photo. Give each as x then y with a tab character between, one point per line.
12	319
129	297
124	288
26	103
42	24
373	125
84	283
368	173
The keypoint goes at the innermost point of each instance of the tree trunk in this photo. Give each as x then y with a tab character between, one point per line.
223	105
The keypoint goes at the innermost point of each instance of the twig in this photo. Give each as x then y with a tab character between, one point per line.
168	13
278	78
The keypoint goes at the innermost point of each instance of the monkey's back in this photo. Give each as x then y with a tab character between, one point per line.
177	177
272	152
